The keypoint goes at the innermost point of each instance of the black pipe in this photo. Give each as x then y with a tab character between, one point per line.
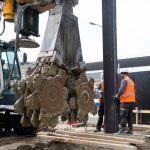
110	64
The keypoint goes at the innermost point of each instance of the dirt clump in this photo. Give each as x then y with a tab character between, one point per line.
58	146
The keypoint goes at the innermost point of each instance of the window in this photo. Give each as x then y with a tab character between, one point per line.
7	57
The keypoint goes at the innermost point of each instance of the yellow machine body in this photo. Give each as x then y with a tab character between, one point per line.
7	11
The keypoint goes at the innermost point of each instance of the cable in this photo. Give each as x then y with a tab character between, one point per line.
1	4
0	18
17	37
3	27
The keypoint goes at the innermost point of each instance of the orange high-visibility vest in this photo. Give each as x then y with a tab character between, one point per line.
129	92
102	88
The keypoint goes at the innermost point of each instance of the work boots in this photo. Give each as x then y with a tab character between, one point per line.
97	130
129	131
121	131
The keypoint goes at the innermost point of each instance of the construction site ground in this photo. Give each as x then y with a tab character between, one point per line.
67	137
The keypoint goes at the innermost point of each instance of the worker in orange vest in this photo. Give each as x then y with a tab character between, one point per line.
101	107
126	95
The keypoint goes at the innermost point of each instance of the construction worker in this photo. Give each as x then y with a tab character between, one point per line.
126	95
100	87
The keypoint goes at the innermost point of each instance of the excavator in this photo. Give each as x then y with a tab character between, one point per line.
57	86
9	119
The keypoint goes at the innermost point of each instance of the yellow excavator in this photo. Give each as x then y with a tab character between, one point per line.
57	85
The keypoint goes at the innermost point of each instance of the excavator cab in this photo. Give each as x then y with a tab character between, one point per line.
9	119
6	63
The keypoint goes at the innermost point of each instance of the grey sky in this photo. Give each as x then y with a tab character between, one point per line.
133	29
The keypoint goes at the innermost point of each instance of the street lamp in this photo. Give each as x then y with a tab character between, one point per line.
92	23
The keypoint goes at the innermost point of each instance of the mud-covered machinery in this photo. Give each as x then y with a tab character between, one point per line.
57	85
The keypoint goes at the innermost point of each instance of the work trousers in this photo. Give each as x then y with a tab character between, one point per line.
100	114
126	114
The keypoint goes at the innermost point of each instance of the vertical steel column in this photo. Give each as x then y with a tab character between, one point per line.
110	64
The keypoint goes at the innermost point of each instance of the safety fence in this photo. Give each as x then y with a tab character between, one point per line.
138	113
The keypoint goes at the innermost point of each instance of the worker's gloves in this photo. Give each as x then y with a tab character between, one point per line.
102	92
116	99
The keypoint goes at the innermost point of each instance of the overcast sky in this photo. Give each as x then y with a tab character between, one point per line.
133	29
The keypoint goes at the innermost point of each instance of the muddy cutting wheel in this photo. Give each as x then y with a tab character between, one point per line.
85	96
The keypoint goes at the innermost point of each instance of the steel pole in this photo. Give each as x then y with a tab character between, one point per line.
110	64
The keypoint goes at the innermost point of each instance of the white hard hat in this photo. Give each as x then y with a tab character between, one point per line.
124	71
102	77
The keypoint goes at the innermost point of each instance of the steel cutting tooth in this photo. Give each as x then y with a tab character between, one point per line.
94	110
53	121
35	118
29	82
33	101
25	120
19	106
14	88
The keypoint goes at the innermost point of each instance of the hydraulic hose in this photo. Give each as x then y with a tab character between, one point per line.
1	17
1	10
17	37
3	28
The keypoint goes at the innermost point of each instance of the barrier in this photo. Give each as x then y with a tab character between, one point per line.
137	111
